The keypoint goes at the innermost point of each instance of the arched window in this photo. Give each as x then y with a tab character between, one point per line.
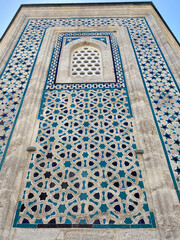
86	61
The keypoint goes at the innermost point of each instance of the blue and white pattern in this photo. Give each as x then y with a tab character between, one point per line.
160	85
85	170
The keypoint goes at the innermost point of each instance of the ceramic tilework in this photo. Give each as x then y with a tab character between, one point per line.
85	171
57	54
163	93
159	83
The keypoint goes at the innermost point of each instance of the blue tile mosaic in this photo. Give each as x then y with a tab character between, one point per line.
85	172
160	85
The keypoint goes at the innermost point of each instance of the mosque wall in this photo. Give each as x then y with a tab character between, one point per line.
94	91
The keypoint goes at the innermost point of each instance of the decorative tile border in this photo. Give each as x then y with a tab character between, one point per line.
163	95
57	53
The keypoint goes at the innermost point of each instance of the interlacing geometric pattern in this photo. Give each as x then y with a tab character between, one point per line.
85	170
160	85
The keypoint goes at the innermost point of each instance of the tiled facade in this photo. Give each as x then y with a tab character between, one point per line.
85	170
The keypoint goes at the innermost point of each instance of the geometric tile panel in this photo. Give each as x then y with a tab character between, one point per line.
85	170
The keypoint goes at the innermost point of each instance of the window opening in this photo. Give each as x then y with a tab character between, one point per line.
86	61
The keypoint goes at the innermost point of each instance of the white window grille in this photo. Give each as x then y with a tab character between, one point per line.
86	61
